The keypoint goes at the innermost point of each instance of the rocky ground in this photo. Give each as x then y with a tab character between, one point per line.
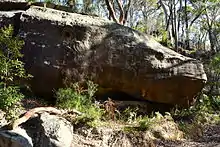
210	138
114	136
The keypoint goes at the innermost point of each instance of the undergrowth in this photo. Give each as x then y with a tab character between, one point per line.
11	72
81	99
190	121
193	120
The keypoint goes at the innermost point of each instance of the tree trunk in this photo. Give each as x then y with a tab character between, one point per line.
175	26
122	15
111	11
164	10
186	25
126	10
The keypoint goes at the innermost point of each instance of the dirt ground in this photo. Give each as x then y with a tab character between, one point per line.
210	138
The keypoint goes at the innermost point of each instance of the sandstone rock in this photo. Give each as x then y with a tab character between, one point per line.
15	138
7	5
109	137
3	121
43	131
164	128
67	46
49	131
59	130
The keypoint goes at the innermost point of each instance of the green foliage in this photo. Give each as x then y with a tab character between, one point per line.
143	123
141	28
75	96
10	67
81	99
192	120
214	71
204	104
215	63
69	98
129	115
31	0
51	1
11	70
9	97
9	101
164	39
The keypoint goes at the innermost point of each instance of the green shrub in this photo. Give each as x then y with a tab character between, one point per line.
215	63
213	71
51	1
11	70
141	28
76	97
143	123
129	115
206	109
192	120
9	97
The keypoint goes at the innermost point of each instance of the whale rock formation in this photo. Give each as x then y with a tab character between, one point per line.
62	46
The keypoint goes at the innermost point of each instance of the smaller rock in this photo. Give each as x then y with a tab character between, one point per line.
58	130
3	121
48	130
164	128
15	138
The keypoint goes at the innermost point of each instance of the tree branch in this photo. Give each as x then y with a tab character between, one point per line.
197	16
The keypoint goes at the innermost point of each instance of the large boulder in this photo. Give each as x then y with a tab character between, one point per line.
62	46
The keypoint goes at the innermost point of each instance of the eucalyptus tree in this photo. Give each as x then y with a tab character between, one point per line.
212	23
205	16
118	10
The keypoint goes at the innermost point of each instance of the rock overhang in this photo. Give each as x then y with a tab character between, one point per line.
118	56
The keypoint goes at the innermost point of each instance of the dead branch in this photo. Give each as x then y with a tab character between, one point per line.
110	108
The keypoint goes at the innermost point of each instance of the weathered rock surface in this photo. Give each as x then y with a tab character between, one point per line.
54	131
50	131
43	131
67	46
3	121
112	136
34	133
108	137
15	138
